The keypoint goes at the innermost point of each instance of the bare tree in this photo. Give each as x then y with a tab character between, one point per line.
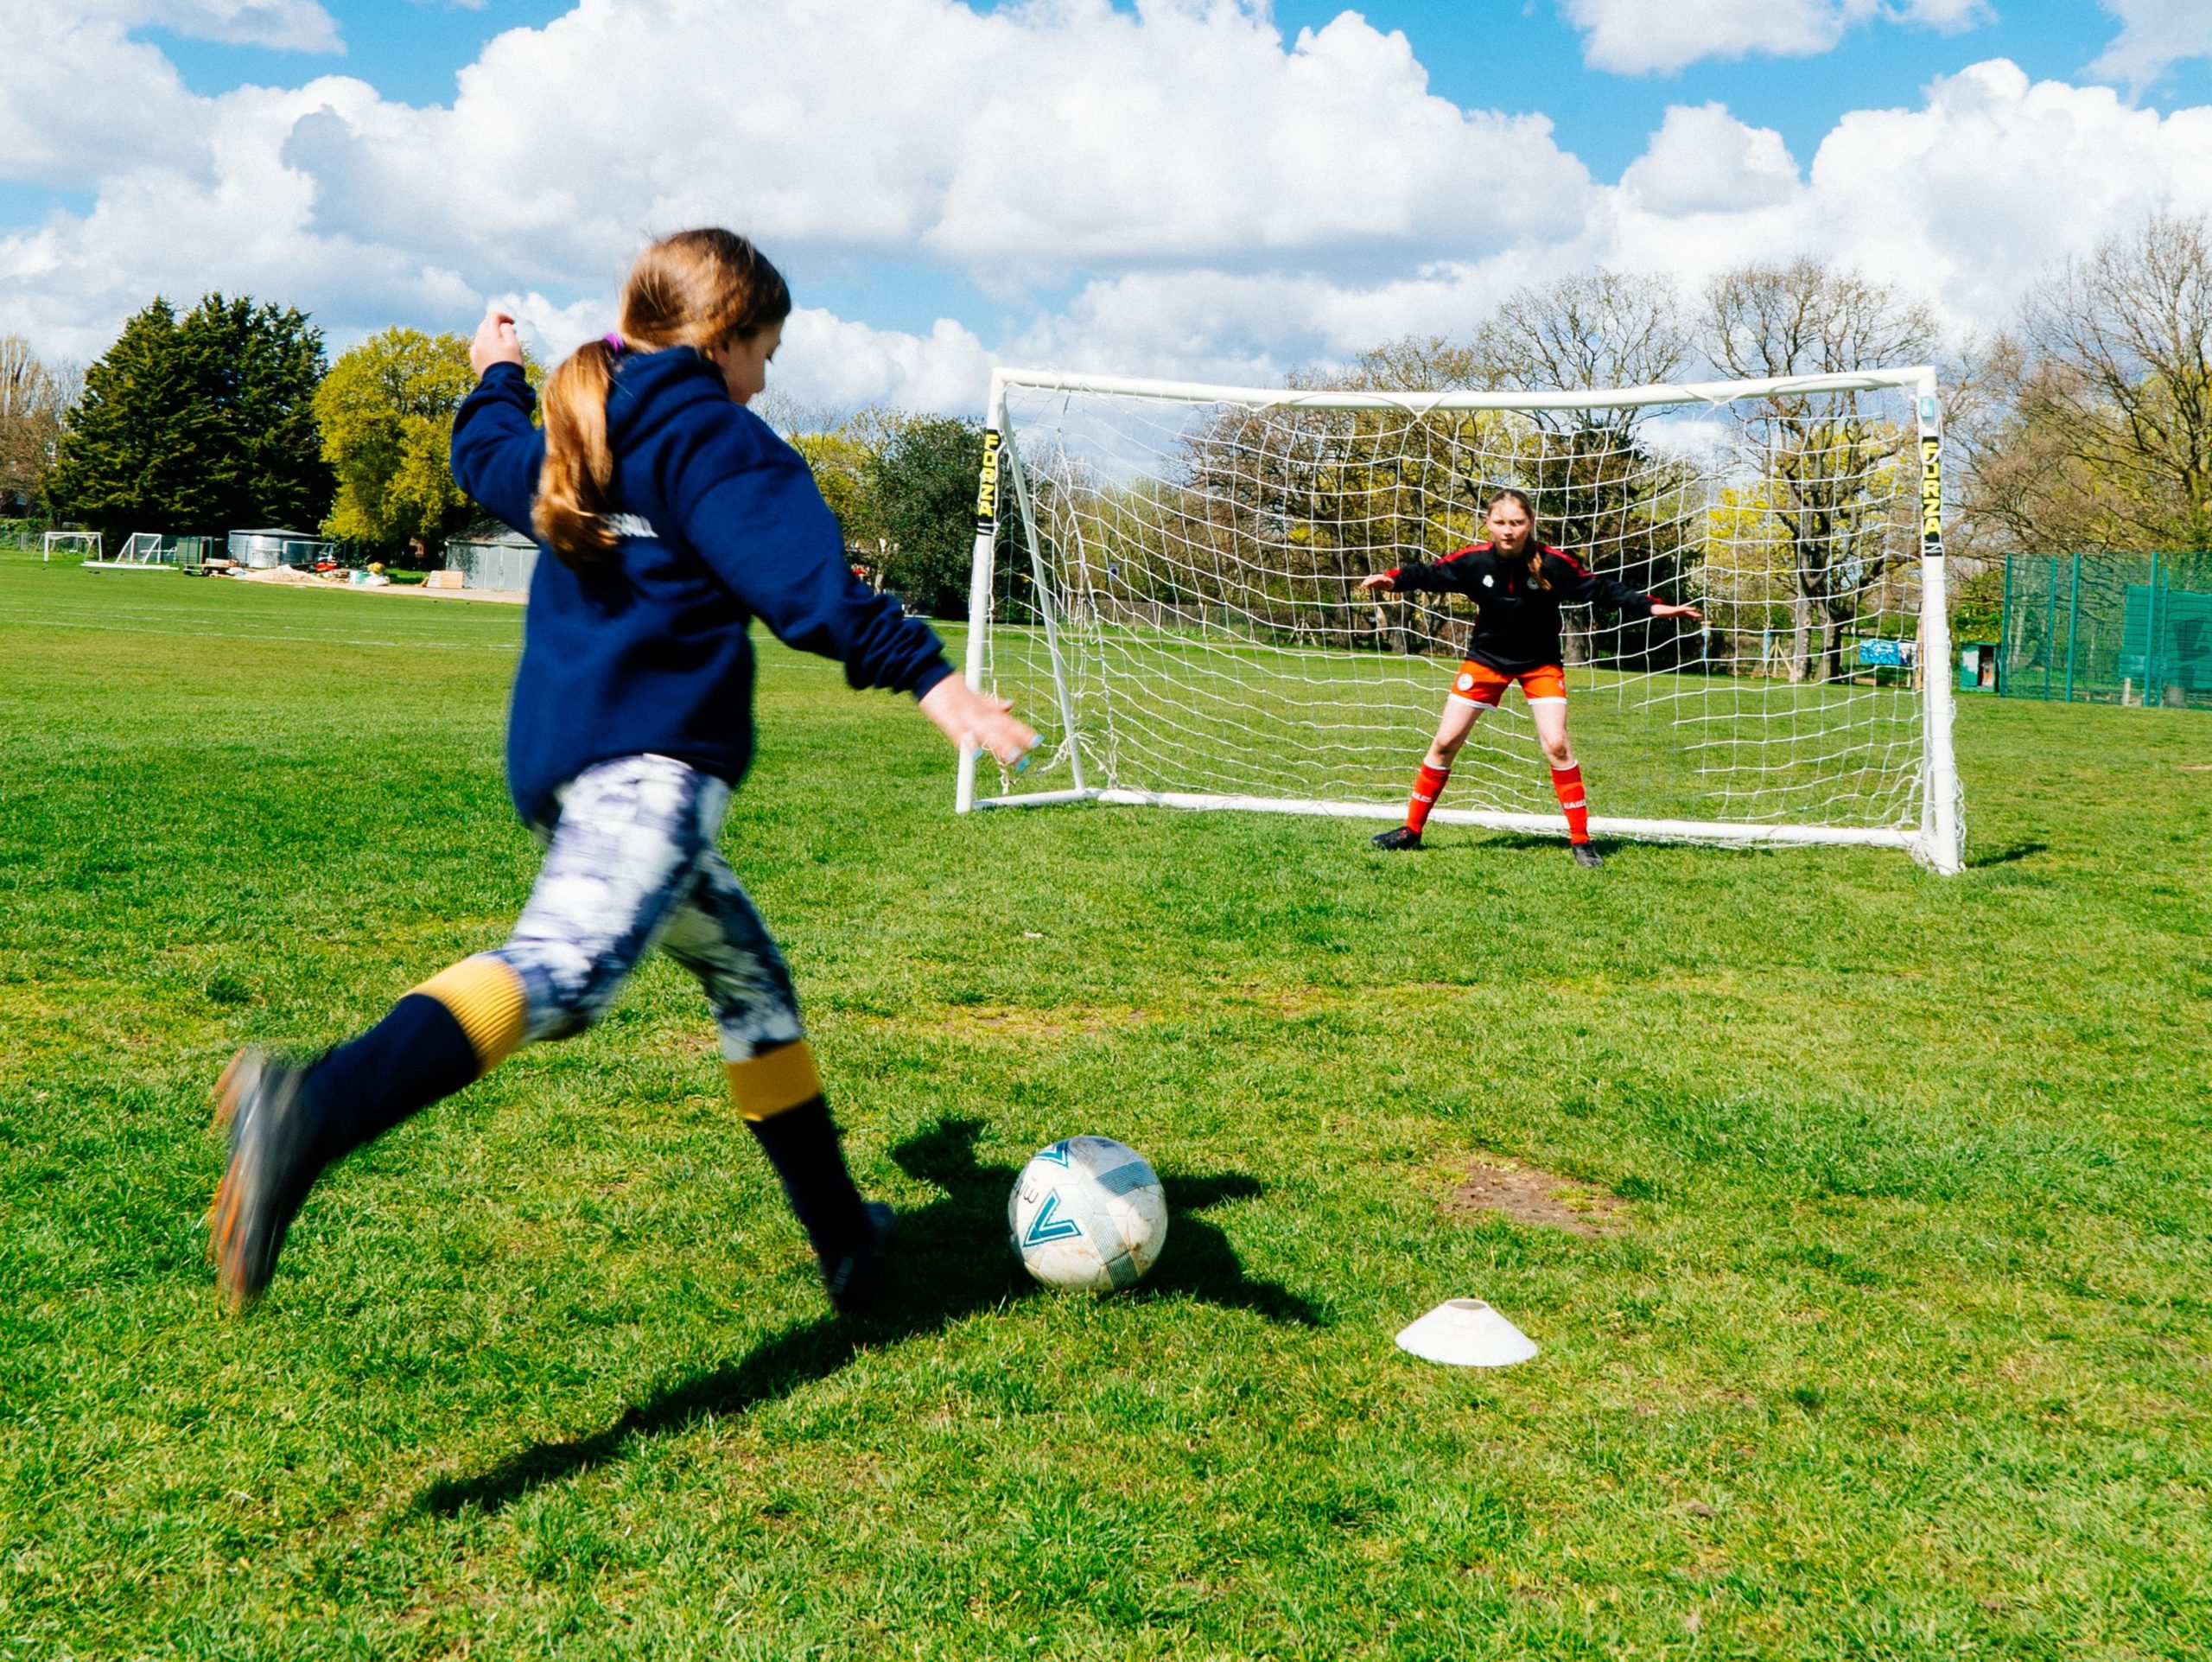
2112	393
34	404
1598	329
1831	463
1601	490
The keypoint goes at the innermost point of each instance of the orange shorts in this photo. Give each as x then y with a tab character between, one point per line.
1478	684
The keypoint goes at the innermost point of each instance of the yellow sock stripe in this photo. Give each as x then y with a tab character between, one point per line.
775	1081
485	997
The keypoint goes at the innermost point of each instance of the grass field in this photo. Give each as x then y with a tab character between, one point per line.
1891	1339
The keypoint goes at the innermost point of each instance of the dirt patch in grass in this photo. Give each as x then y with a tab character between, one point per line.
1011	1021
1528	1195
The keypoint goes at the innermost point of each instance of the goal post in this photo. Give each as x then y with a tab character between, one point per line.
89	541
1166	582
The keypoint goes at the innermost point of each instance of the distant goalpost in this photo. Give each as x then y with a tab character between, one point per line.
89	540
1165	584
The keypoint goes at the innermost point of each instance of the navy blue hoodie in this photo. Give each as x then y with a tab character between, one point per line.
722	523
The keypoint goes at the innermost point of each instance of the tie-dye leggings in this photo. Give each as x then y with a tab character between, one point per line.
630	864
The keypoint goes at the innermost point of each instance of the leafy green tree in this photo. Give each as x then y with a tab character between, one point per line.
386	411
842	461
922	483
198	424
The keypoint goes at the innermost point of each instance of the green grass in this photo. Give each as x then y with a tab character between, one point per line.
1900	1349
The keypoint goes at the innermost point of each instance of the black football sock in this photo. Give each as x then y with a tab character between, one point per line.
449	1032
779	1094
802	1144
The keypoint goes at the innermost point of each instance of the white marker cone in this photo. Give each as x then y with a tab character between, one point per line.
1467	1333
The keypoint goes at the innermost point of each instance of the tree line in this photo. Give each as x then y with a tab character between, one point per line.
232	415
2084	424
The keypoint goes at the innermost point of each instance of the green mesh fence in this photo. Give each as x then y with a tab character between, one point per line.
2108	629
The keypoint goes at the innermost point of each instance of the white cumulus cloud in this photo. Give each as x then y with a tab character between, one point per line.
1704	160
2154	35
1040	140
1633	37
1178	190
285	25
1022	149
1962	200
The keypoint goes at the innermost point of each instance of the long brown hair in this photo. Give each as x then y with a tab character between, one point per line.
696	289
1513	493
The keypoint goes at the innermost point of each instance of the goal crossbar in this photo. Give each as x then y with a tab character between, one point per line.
1627	397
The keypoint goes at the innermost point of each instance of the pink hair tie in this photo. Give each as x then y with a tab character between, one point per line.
613	339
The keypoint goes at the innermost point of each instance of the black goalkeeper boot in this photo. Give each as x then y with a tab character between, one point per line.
1398	836
1585	853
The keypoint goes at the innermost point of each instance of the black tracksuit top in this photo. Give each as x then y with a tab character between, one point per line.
1517	627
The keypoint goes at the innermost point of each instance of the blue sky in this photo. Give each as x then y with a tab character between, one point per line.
1682	134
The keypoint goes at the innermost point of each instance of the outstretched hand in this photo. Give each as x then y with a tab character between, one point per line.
969	717
496	342
1664	609
1380	580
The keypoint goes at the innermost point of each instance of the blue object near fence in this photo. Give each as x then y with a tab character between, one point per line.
1885	654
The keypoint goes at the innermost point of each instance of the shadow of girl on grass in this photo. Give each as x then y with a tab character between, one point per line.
951	1261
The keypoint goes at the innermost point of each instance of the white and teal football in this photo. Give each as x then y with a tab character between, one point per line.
1088	1215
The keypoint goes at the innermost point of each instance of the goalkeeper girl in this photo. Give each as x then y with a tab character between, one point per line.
1519	585
668	516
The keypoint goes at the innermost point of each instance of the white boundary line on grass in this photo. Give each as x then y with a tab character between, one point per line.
225	635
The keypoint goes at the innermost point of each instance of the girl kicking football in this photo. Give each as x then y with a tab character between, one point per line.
1519	584
668	516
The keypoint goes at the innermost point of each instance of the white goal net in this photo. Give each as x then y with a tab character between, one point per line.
1167	585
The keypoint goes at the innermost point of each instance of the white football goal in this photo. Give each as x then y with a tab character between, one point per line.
1165	584
88	541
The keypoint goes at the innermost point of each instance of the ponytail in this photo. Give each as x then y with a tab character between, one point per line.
699	289
570	512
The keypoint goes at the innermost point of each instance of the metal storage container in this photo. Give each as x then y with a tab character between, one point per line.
260	550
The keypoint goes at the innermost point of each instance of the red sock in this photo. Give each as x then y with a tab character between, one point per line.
1568	781
1426	789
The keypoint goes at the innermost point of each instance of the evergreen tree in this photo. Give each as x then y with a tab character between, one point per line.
197	425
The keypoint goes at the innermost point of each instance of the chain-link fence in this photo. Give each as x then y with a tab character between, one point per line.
2108	629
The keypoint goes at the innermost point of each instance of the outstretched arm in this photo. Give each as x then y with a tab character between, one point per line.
1450	575
497	454
761	522
969	717
1587	587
